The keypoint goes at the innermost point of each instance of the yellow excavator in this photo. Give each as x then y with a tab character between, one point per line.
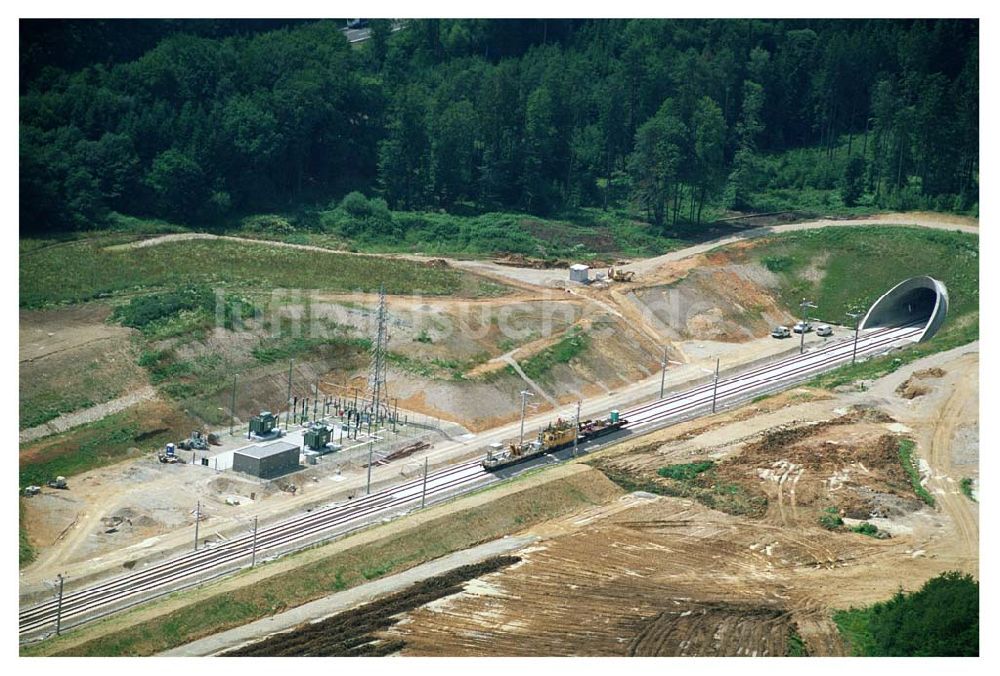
620	275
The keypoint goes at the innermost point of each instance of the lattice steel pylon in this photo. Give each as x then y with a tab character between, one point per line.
377	368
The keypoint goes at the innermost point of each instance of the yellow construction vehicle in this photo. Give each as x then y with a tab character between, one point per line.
620	275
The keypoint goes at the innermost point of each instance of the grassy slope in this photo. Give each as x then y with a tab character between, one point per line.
859	264
84	270
111	439
81	383
432	539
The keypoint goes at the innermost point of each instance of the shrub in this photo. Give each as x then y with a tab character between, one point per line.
967	488
830	519
869	529
685	472
939	620
268	224
142	311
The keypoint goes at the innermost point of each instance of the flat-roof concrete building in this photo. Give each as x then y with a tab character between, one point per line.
579	272
267	460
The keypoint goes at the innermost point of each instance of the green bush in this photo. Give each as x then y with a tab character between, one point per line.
939	620
777	263
871	530
685	472
143	311
967	488
830	519
268	224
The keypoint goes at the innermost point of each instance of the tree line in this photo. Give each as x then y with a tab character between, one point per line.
218	119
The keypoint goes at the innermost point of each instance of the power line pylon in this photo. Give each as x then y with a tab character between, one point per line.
377	367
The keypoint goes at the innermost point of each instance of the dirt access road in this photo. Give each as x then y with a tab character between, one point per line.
530	279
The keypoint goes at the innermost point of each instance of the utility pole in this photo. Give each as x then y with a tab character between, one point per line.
232	408
253	548
524	398
856	316
805	305
288	398
423	493
576	430
663	372
197	522
59	577
715	387
368	488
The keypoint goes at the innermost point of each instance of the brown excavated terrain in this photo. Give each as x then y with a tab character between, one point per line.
666	575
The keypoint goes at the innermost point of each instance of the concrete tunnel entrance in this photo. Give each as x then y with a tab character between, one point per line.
920	301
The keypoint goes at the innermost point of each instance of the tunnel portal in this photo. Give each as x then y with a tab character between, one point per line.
921	301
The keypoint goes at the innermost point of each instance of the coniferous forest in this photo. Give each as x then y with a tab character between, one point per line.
205	122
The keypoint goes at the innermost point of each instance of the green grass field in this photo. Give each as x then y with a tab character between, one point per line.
109	440
86	270
861	263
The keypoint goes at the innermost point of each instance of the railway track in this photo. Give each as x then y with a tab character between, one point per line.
110	596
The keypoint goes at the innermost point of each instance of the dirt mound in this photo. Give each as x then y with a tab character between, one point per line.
913	387
517	260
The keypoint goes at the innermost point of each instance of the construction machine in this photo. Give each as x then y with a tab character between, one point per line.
196	442
58	482
619	275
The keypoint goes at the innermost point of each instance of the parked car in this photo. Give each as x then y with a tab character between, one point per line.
824	330
780	332
802	327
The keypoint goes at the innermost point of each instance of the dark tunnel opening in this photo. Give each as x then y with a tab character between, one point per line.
915	305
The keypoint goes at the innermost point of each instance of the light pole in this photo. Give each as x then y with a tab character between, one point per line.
288	398
805	305
197	522
59	578
423	493
368	488
253	547
232	407
576	429
715	382
715	387
663	371
856	316
524	399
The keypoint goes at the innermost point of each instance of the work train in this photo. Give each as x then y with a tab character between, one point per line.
556	436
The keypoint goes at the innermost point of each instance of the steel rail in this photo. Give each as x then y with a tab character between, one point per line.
303	526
